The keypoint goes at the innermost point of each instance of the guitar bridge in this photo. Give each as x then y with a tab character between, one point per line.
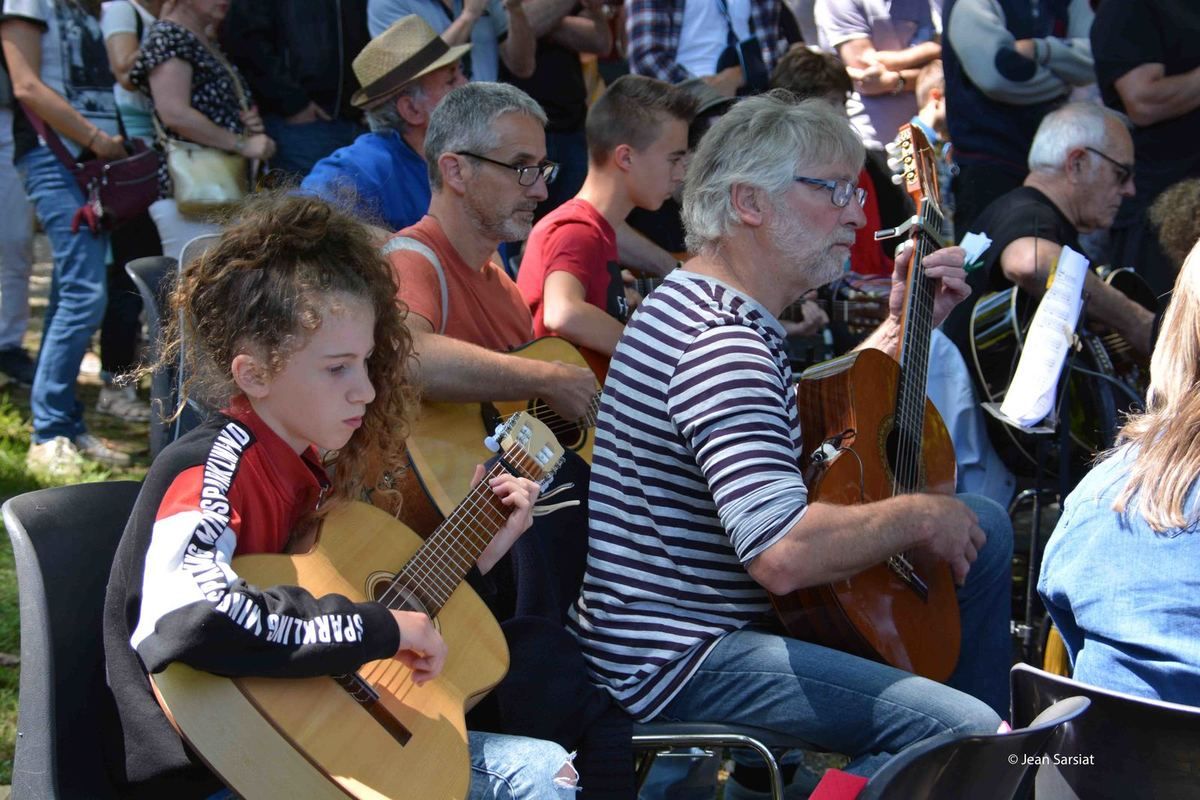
904	569
368	698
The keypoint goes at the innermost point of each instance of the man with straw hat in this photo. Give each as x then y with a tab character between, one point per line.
404	73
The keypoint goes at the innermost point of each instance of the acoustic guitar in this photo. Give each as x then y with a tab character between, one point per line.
447	438
883	437
372	733
1107	377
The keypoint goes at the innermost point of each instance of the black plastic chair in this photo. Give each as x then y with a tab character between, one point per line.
982	767
63	542
154	276
1125	747
651	739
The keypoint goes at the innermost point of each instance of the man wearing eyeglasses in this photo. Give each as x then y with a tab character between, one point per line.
570	276
1081	168
485	150
698	507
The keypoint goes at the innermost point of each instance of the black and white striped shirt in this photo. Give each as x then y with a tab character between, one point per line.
695	472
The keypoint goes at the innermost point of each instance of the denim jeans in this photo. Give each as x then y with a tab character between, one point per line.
846	704
505	768
77	295
298	147
16	244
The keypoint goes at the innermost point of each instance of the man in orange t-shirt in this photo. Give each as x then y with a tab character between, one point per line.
486	152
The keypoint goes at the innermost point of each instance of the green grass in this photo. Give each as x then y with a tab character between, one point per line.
14	480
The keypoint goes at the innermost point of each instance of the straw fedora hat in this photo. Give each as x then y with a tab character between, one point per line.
408	49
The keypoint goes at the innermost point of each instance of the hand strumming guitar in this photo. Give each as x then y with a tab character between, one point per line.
422	648
571	390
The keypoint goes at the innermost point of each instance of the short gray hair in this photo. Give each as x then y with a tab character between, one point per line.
1075	125
385	117
762	142
464	121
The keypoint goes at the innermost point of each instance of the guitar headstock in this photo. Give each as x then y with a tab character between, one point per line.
918	165
529	447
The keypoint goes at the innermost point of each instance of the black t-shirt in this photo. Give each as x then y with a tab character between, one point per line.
1021	213
1126	35
557	84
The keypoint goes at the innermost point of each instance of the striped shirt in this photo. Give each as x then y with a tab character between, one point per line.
694	473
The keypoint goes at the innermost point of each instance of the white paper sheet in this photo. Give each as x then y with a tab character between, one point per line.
1034	386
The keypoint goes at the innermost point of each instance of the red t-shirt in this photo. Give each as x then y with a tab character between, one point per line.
573	238
486	308
867	256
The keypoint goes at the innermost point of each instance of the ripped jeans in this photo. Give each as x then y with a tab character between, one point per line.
518	768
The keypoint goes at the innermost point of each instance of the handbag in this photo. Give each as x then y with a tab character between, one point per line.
116	191
206	179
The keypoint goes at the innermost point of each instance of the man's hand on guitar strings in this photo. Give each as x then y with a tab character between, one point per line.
422	648
519	494
944	266
570	393
950	531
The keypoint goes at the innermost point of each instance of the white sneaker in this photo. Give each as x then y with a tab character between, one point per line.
56	458
122	402
96	449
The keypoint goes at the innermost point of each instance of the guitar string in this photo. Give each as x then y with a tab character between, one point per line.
429	569
422	571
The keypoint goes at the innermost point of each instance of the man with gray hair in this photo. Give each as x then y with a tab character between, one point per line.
405	72
697	504
485	152
1080	169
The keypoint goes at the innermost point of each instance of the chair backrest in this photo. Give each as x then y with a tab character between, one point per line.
63	542
1125	747
154	276
194	248
982	767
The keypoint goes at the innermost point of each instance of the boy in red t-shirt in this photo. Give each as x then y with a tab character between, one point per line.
637	154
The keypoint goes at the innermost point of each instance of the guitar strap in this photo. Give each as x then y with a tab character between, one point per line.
411	245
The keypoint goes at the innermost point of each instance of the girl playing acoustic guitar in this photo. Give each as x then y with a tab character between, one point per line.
290	324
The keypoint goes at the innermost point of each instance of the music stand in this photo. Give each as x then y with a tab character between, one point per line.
1042	432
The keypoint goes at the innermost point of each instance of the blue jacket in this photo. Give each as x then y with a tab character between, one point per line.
385	178
1126	599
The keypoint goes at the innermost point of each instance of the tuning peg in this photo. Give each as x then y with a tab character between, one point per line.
897	179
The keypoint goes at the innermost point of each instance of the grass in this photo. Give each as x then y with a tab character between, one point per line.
15	431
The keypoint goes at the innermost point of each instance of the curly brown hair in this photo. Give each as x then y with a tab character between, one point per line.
266	284
1176	216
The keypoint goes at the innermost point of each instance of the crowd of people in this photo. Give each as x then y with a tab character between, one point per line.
430	185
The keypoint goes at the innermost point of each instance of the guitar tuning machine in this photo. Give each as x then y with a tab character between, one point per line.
493	442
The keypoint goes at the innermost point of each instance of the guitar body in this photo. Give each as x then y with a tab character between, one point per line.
447	438
999	323
307	738
873	614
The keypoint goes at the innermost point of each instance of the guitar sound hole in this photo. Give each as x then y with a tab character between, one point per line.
399	598
569	434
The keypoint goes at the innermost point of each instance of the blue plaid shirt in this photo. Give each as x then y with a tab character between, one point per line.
654	27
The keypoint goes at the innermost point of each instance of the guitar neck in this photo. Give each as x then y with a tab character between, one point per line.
443	561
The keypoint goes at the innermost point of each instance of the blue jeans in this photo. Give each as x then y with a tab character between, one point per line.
849	705
298	147
77	295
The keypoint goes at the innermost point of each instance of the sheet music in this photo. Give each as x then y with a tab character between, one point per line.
1031	394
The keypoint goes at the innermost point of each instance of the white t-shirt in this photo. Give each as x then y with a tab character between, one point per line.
121	16
705	33
74	62
890	25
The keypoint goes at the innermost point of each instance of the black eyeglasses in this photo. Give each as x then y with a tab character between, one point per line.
527	175
840	192
1124	171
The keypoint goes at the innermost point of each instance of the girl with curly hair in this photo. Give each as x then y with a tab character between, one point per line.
289	325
